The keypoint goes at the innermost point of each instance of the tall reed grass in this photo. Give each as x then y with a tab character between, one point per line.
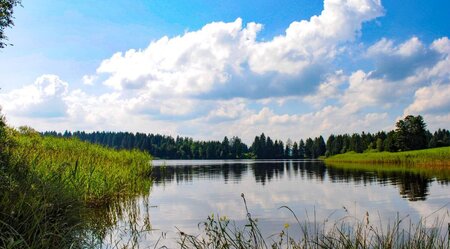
47	185
95	173
348	232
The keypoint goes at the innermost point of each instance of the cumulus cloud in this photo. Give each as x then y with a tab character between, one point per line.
221	80
313	41
442	45
396	62
43	98
228	58
185	64
328	120
227	110
329	89
89	79
432	99
364	91
410	71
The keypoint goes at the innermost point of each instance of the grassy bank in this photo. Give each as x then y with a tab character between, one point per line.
47	184
432	158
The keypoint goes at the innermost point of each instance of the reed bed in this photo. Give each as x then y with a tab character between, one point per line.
48	184
97	174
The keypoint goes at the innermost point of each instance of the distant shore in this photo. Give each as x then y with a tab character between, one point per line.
436	157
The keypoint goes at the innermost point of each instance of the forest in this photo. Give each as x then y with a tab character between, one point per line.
410	134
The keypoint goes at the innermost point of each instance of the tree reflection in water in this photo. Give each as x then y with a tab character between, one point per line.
412	185
127	223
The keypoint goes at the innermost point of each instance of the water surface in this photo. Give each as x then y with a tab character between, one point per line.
184	193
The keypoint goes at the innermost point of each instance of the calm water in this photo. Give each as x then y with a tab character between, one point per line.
184	193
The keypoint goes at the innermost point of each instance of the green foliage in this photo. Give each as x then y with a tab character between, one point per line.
309	150
301	149
96	173
390	144
428	157
379	145
6	18
295	151
411	133
440	138
264	147
319	147
47	184
161	146
167	147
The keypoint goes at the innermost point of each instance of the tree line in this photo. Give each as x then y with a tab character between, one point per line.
410	134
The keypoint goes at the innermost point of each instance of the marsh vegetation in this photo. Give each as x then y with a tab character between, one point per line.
48	185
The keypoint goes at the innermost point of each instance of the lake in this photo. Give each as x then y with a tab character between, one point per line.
184	193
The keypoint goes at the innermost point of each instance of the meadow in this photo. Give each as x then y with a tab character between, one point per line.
430	158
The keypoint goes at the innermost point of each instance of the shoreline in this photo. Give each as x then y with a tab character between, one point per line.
429	158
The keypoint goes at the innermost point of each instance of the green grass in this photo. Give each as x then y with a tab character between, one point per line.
48	184
432	158
97	174
350	233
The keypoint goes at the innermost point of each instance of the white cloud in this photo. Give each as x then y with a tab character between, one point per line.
89	79
442	45
327	90
221	80
437	121
187	64
397	62
364	91
385	46
228	110
431	99
221	54
316	40
43	98
328	120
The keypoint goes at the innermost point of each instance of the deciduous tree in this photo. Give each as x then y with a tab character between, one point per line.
411	133
6	18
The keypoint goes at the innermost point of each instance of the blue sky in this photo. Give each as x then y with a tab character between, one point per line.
207	69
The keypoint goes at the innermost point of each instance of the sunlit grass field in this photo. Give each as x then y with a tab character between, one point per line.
432	158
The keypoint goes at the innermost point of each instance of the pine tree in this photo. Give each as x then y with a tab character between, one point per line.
295	151
301	149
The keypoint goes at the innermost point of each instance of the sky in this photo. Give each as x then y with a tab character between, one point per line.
209	69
